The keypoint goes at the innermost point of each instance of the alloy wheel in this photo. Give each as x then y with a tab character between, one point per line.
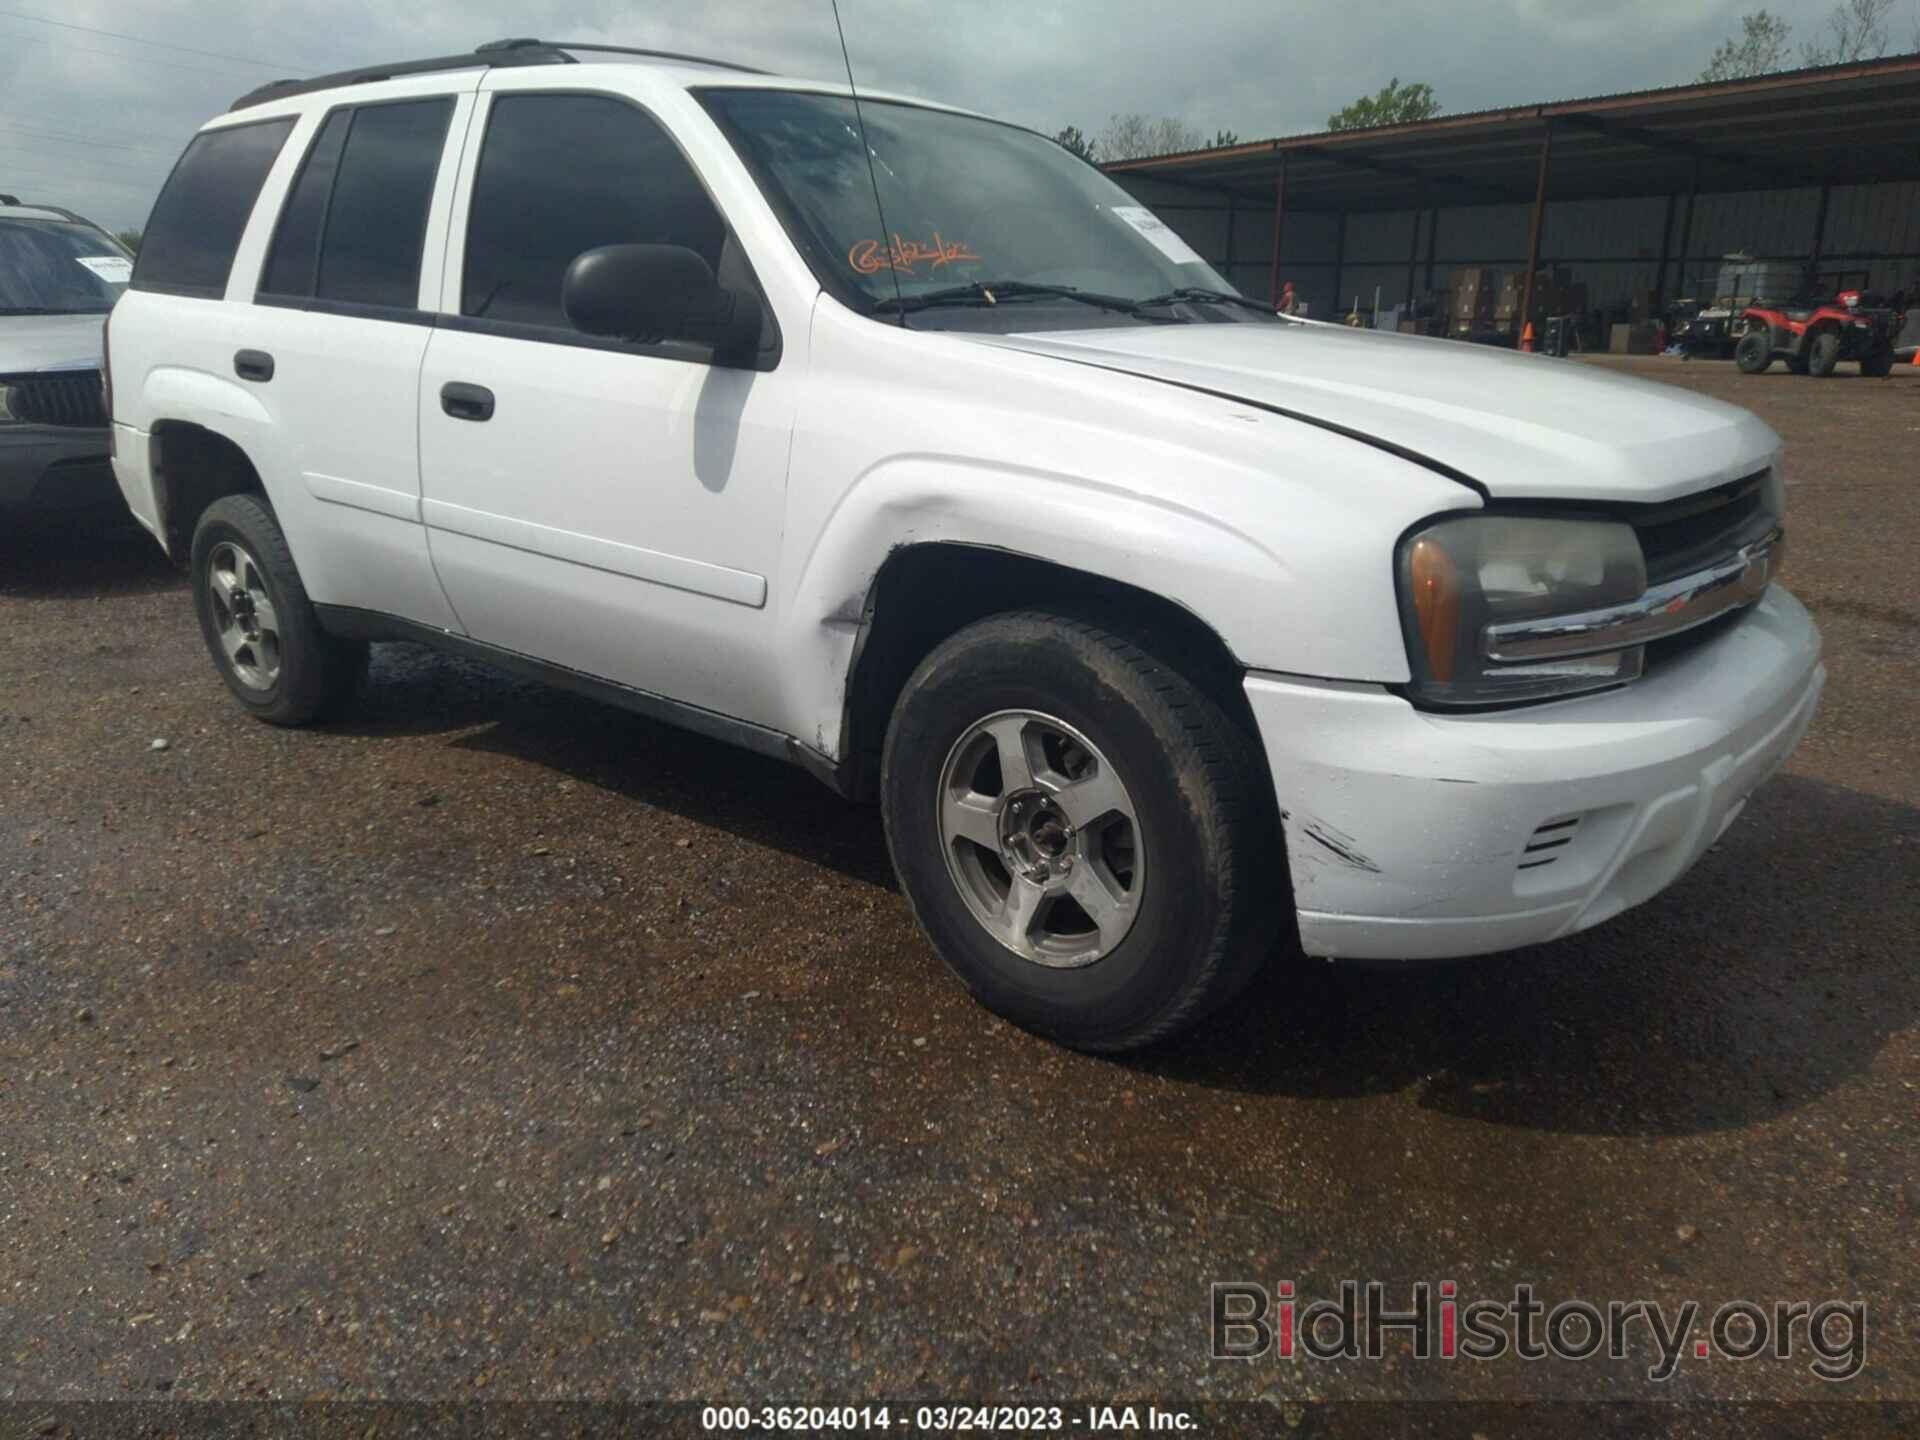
243	615
1041	838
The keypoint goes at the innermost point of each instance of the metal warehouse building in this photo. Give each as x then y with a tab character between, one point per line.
1637	194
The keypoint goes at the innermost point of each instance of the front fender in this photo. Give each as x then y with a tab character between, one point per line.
1223	576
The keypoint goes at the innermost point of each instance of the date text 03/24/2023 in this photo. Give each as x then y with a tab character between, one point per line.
946	1419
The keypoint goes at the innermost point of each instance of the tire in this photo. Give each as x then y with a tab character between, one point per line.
1797	362
259	625
1823	353
1754	353
1184	878
1878	364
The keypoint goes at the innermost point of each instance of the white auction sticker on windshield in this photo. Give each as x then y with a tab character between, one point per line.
1159	234
114	269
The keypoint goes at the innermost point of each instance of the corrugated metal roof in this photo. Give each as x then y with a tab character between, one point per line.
1837	123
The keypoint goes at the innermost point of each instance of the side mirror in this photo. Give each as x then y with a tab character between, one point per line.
660	292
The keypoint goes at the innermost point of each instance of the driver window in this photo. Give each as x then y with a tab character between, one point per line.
562	174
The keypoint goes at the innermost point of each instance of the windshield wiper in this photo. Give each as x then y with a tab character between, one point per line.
997	292
1201	295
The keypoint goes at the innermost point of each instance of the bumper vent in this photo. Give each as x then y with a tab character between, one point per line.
73	400
1546	843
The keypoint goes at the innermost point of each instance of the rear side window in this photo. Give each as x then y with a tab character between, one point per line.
562	174
196	224
356	220
294	262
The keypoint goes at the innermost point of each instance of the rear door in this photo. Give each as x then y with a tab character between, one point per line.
334	341
610	506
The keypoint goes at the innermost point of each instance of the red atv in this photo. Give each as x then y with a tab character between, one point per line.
1813	340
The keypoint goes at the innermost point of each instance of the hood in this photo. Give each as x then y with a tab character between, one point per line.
31	343
1519	426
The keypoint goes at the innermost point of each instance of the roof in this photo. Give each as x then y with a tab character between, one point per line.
494	54
1839	124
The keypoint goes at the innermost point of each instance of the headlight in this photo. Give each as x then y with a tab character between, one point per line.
1459	576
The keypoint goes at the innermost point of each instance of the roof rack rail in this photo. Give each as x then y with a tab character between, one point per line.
487	57
594	47
520	50
60	210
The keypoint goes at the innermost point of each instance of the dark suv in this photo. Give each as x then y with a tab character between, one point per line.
59	276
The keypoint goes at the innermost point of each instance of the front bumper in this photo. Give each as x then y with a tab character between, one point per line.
47	467
1413	835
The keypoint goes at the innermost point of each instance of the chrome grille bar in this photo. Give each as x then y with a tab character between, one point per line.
1666	609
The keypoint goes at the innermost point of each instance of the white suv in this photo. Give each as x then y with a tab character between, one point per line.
1162	628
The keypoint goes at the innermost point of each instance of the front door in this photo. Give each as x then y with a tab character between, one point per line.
611	507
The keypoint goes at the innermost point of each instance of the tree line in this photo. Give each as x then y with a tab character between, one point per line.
1853	30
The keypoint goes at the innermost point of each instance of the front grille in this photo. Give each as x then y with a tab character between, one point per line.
70	400
1687	535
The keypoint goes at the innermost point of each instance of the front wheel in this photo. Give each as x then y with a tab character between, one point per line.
1754	353
1823	353
1086	836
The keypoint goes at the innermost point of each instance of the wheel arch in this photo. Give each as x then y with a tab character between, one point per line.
924	592
192	466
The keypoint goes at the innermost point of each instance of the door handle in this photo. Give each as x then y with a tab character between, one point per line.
253	365
466	402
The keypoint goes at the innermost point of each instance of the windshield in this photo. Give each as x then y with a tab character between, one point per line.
53	267
970	205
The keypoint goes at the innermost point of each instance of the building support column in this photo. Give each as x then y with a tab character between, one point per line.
1686	225
1433	238
1339	262
1279	221
1533	231
1666	254
1413	257
1820	223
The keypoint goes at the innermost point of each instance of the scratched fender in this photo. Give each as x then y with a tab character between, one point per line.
1074	469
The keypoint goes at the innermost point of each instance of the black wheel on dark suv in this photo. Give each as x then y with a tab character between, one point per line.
258	623
1087	837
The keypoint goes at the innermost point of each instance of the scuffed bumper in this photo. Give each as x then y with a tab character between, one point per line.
54	468
1419	836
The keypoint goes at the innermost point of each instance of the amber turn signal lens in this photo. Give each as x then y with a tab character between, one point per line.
1435	584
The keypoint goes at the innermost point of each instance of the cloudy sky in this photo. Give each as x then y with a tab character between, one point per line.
98	96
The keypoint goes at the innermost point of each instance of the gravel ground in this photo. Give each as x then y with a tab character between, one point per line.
494	1043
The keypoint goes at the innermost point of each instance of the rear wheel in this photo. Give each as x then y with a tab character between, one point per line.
1823	353
1879	362
1087	838
1754	353
258	623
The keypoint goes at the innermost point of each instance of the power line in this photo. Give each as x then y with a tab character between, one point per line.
158	44
73	49
58	138
108	133
10	176
31	152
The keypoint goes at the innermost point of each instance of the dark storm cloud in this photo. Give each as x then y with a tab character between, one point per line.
94	121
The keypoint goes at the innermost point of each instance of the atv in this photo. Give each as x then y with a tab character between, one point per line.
1813	339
